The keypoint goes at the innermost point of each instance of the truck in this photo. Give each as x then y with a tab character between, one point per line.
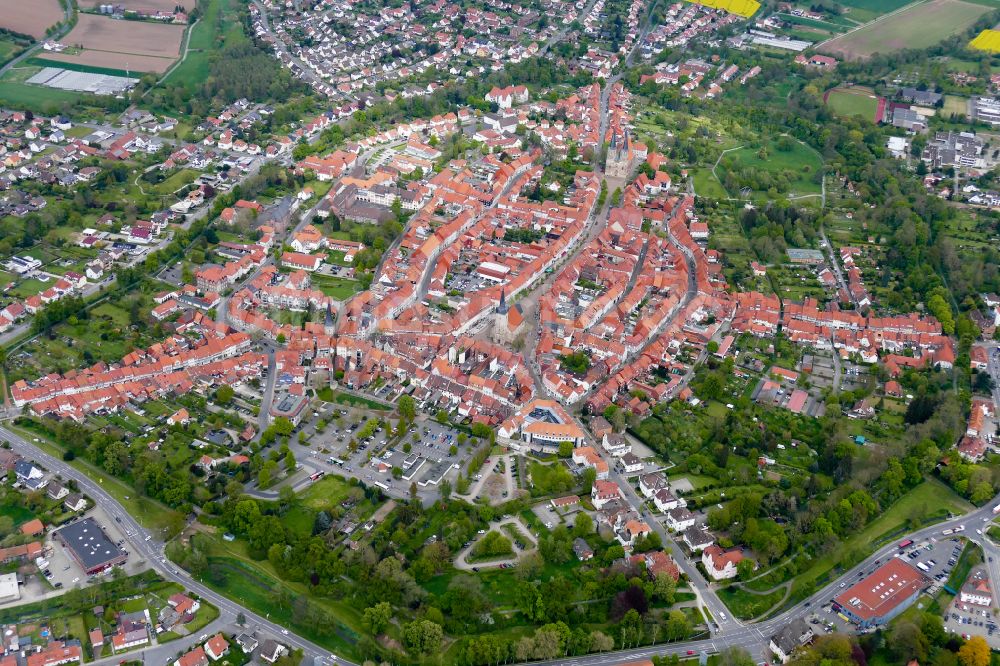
923	567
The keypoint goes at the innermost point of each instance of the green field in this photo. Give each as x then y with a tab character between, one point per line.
215	28
335	287
876	6
9	49
799	163
853	102
747	605
22	95
76	67
917	27
953	104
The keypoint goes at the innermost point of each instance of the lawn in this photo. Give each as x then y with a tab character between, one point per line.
22	95
954	104
706	185
338	288
916	27
9	49
326	493
747	605
876	6
357	401
798	162
215	30
853	102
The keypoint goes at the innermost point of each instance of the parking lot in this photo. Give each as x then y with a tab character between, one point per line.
329	451
61	572
969	619
935	558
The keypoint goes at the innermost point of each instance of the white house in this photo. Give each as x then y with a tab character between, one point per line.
650	484
721	564
679	519
629	464
665	500
615	444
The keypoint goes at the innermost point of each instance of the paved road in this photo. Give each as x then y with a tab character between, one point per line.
149	546
993	367
559	36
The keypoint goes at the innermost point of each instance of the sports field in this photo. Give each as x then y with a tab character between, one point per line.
137	46
916	27
30	18
853	102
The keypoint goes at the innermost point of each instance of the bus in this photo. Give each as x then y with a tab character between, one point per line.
905	543
923	567
316	475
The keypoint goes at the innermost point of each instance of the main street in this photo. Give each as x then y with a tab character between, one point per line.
149	545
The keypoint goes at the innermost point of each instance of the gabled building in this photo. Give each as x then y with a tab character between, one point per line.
721	564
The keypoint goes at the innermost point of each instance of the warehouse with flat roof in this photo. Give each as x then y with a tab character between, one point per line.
90	547
883	595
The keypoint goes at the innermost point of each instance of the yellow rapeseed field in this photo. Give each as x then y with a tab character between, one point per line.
988	40
744	8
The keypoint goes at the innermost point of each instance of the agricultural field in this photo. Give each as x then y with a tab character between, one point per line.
987	40
30	18
204	40
133	45
919	26
744	8
874	7
853	102
9	48
145	5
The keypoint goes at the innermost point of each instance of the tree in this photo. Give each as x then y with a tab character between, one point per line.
224	394
289	461
407	408
744	569
582	525
676	627
565	449
241	618
377	617
975	652
601	642
664	587
266	474
909	642
423	636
